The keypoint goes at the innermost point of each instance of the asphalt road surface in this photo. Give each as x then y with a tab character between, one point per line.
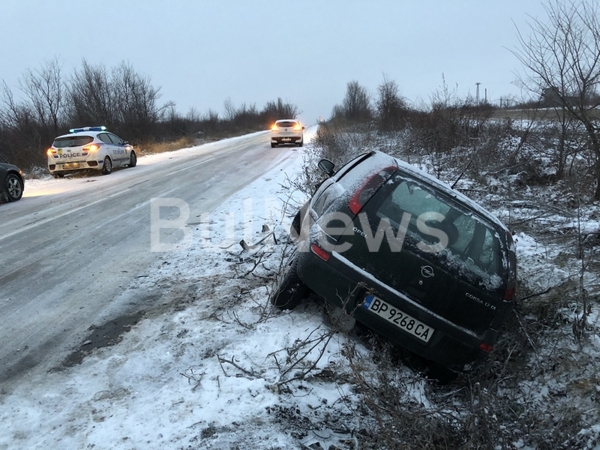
67	251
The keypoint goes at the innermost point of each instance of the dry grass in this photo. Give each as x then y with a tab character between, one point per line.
152	148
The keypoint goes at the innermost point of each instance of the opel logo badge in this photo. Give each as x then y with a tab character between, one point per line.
427	271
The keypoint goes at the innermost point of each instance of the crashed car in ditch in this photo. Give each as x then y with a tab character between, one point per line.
406	255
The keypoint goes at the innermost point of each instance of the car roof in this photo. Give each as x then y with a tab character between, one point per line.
81	133
286	120
85	131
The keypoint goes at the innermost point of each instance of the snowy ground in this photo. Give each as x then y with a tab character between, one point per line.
207	372
216	367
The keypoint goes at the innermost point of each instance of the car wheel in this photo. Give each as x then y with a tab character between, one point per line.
14	187
291	290
58	175
301	143
297	221
273	145
132	159
107	167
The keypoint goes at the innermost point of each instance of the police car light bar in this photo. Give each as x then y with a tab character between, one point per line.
77	130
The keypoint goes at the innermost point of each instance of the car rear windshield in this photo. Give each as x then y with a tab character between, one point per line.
446	228
286	124
72	141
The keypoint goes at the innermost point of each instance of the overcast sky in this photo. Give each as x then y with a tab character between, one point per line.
202	52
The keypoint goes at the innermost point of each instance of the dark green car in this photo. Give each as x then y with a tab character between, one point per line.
407	256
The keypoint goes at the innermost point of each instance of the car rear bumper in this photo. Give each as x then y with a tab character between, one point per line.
73	166
345	285
286	139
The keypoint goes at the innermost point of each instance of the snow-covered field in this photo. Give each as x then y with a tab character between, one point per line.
216	367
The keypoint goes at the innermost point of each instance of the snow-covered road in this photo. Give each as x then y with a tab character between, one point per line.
71	246
208	365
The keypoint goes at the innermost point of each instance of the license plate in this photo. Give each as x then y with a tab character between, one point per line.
71	166
398	318
286	139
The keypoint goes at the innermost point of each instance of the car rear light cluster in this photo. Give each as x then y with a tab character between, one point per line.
509	294
365	192
486	347
274	128
323	254
297	127
91	148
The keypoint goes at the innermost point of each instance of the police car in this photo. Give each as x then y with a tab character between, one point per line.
89	148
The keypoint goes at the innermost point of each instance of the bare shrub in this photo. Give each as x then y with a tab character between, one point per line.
560	57
391	109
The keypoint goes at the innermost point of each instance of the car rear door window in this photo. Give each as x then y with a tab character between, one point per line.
105	138
115	139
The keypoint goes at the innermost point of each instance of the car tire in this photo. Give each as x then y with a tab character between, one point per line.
132	159
273	145
107	166
295	227
301	143
58	175
13	186
291	290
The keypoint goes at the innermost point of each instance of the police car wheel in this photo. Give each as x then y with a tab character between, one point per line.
132	159
107	167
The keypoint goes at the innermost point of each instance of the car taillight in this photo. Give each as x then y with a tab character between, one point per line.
90	148
486	347
324	255
366	191
297	127
509	294
274	128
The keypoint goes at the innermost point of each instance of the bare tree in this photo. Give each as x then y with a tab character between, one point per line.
562	61
390	106
357	104
134	101
90	97
45	90
279	109
229	108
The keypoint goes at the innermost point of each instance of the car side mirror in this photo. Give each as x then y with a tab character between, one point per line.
326	166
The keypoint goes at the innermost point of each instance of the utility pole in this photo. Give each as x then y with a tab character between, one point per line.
477	94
